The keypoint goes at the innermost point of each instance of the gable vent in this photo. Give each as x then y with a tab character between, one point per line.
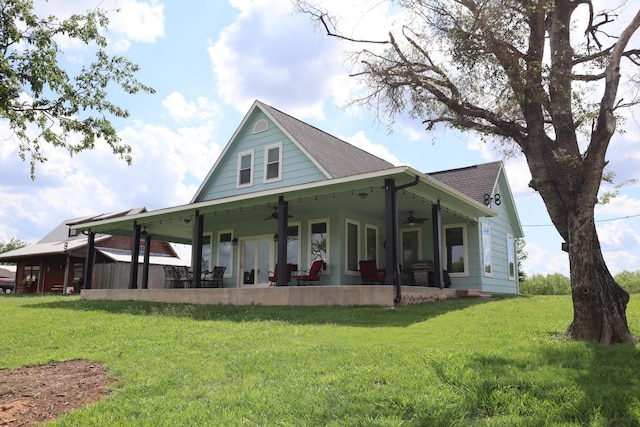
260	126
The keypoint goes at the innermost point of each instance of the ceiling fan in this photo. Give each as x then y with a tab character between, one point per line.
274	215
412	220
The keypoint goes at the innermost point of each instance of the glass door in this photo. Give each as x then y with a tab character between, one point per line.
411	248
255	261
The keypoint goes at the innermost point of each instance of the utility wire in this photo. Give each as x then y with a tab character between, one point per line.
599	220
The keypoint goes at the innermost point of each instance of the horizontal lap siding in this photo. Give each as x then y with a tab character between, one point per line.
500	226
296	166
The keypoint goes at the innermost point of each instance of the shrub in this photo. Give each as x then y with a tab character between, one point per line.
629	281
557	284
551	284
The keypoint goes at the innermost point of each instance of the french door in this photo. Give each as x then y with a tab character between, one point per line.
255	261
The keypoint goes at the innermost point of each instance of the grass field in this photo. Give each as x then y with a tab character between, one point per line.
476	362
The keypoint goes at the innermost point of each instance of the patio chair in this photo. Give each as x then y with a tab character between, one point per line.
273	275
214	278
183	276
170	279
311	275
369	272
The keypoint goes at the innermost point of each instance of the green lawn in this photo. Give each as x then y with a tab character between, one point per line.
481	362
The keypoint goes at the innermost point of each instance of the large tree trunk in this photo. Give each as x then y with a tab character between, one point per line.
599	303
569	186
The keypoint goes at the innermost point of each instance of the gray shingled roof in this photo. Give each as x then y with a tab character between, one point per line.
337	157
473	181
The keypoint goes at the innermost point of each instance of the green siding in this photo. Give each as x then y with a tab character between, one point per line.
297	168
499	281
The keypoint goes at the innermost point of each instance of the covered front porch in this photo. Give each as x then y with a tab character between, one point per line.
340	222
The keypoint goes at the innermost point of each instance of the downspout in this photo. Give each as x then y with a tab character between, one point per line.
283	222
391	231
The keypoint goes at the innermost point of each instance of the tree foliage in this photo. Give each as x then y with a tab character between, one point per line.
41	100
521	72
12	244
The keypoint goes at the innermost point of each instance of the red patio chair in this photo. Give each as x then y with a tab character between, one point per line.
311	275
369	272
273	275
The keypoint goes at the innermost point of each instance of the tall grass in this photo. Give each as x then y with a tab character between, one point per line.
483	362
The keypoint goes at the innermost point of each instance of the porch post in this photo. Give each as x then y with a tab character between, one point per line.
145	265
196	253
283	220
392	266
135	253
88	264
67	261
437	245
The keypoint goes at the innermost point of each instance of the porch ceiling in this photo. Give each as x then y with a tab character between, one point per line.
363	195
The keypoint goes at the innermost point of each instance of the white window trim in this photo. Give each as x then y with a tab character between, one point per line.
328	252
484	271
229	271
348	222
240	156
266	162
366	237
465	244
260	126
515	258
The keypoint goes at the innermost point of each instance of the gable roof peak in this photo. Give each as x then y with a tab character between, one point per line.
336	157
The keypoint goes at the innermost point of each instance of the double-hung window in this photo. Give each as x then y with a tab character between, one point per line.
273	163
245	169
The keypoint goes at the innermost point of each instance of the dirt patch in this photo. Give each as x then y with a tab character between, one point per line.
36	394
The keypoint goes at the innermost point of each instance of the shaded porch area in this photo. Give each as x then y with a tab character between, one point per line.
344	295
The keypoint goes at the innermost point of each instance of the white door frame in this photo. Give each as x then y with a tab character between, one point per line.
257	239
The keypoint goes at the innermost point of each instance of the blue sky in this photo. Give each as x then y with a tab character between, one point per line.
208	61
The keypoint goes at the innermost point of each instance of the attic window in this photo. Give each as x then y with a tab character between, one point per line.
260	126
245	169
273	162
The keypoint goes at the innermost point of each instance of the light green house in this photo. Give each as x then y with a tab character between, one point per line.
284	192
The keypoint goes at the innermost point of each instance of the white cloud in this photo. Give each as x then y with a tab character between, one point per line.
182	110
617	236
257	58
277	56
361	141
543	261
519	176
619	206
138	21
